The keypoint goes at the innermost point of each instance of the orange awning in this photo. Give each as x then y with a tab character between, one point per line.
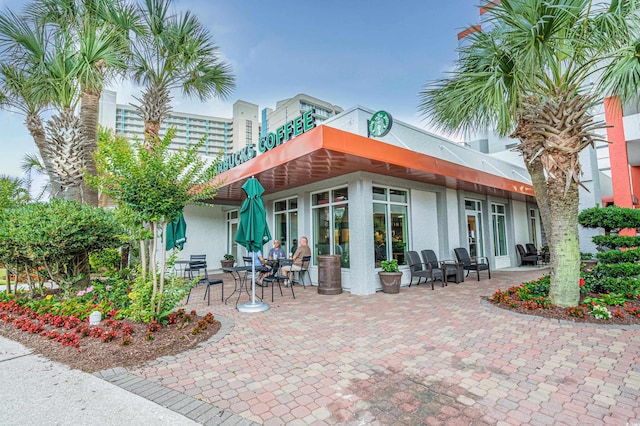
326	152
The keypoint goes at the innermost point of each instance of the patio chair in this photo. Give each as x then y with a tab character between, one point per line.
304	270
197	264
531	249
478	264
525	257
430	258
419	269
276	276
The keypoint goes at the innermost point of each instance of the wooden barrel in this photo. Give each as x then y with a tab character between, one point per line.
329	274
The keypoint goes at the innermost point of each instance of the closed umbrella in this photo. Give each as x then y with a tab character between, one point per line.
176	233
253	233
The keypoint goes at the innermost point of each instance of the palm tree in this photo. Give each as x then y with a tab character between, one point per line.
48	59
18	92
98	30
530	77
175	52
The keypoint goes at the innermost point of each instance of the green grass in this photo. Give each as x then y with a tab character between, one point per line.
3	277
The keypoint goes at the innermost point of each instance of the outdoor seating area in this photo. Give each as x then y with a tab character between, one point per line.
472	264
429	268
197	268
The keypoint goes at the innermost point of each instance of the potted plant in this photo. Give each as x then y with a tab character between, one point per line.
390	276
228	261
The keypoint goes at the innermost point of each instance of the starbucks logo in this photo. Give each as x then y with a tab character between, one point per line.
380	124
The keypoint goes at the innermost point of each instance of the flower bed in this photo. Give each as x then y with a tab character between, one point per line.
61	331
604	308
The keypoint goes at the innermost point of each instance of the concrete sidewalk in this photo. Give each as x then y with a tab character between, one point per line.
36	391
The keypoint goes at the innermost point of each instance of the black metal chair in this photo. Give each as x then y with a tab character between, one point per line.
478	264
420	270
304	269
276	276
526	257
197	264
430	258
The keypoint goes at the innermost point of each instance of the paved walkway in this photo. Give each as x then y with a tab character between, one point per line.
418	357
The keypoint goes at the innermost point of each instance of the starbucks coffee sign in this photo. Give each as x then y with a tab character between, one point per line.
288	131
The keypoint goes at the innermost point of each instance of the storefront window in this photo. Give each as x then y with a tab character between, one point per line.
390	224
286	222
330	212
499	229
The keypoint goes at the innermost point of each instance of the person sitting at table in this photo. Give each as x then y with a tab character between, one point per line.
302	251
276	252
261	265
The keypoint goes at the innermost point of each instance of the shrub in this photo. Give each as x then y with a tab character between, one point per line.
610	218
56	236
618	256
105	259
616	241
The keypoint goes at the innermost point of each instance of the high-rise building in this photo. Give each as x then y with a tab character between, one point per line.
288	109
221	135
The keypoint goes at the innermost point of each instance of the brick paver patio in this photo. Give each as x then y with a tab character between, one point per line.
418	357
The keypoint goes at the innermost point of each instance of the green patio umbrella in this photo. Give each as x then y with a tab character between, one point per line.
253	233
176	233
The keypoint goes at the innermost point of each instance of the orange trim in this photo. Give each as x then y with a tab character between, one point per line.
326	152
470	30
490	5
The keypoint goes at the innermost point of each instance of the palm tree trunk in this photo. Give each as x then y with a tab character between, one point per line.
89	108
36	129
538	181
564	244
66	151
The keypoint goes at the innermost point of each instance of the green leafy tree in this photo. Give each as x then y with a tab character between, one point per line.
530	77
174	51
54	237
155	185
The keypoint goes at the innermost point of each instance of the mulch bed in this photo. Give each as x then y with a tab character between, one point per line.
557	313
94	355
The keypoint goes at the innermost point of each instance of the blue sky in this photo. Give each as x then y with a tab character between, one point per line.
377	54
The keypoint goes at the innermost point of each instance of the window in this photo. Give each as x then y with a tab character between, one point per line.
249	130
499	229
232	229
390	224
330	212
286	223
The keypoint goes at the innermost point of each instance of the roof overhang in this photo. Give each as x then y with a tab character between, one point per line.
327	152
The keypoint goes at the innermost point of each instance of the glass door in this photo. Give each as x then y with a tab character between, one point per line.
473	213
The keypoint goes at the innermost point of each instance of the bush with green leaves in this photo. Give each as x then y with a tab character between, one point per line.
612	218
105	259
616	241
142	306
618	256
56	236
